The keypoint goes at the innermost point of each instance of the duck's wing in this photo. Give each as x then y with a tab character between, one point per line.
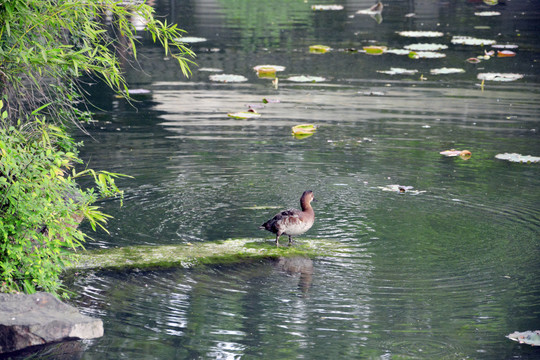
280	217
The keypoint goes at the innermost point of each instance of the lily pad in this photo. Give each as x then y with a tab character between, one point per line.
375	50
487	13
499	76
326	7
426	47
398	71
306	79
426	55
210	69
319	49
421	33
473	60
526	337
445	70
514	157
242	115
190	39
505	46
227	78
275	68
374	10
398	51
303	129
469	40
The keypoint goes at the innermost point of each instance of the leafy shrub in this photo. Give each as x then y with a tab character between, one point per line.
41	206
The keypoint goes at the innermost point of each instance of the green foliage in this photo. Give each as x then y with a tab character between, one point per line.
41	206
46	45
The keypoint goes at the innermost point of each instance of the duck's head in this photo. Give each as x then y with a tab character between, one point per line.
307	198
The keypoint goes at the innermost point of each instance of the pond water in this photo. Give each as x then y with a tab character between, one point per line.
442	273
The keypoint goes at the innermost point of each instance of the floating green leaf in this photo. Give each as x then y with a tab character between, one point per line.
303	130
242	115
319	49
375	50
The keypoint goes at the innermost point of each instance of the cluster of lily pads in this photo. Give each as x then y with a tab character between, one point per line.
431	50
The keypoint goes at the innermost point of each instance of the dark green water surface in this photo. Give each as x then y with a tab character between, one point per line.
441	274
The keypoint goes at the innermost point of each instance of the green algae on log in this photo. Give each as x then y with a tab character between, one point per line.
188	256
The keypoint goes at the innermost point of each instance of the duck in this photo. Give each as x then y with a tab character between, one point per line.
292	222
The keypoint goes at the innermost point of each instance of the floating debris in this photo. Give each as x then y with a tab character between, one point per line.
445	70
514	157
326	7
505	53
400	189
319	49
499	76
374	10
227	78
526	337
270	101
306	79
398	71
421	33
487	13
473	60
372	93
469	40
464	154
190	39
243	115
426	47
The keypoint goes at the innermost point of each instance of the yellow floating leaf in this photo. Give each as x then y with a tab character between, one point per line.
303	129
319	49
375	50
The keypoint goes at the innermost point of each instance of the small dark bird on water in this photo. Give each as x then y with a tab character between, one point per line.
292	222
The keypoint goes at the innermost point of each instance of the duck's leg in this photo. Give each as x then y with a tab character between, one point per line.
277	239
290	240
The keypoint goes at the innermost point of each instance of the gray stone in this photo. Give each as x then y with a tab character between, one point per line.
38	319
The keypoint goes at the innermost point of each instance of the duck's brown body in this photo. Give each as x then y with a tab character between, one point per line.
292	222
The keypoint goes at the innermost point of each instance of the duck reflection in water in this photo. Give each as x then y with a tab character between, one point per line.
292	222
298	265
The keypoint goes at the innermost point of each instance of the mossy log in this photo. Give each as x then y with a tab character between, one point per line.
187	256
